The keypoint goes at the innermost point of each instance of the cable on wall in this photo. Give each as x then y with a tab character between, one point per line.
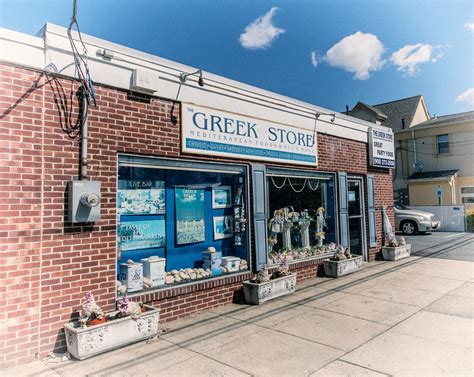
87	94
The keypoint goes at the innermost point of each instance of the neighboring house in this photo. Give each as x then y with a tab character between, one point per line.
437	153
398	115
432	154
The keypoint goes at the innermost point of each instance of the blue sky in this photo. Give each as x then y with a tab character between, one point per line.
329	53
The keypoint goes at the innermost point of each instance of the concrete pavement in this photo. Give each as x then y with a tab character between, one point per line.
410	317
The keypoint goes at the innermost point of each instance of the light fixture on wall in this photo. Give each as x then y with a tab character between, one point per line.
183	76
332	115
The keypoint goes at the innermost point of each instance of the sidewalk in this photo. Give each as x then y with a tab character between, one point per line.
414	316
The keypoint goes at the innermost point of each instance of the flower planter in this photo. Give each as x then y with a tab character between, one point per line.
396	253
84	342
257	294
344	267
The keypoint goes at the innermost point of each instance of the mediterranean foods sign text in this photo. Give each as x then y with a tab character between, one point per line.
381	148
217	133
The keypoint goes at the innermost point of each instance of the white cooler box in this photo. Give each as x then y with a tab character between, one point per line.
154	269
131	275
232	263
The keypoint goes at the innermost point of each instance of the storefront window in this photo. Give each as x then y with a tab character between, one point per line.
178	224
302	210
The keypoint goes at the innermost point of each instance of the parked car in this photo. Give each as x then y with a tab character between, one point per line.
411	221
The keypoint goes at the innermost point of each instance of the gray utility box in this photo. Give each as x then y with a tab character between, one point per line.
84	201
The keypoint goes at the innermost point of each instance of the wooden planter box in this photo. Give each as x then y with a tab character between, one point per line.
337	269
257	294
84	342
396	253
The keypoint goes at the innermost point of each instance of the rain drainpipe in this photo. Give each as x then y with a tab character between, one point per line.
414	145
84	133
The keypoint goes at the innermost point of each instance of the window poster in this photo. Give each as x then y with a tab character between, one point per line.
133	235
189	215
222	197
222	227
141	197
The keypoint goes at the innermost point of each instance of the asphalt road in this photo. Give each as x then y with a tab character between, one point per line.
444	245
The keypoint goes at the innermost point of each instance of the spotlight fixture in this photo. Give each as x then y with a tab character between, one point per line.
333	118
183	76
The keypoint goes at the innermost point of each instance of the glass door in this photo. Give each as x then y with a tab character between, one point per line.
356	215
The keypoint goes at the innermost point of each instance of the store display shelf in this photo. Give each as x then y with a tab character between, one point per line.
314	259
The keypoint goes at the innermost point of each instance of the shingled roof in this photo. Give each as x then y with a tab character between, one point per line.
433	174
397	110
377	112
448	119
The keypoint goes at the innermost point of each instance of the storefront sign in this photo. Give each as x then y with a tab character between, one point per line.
381	148
217	133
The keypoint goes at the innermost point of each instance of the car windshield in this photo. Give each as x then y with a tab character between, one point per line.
398	205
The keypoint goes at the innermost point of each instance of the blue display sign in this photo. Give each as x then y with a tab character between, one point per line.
135	235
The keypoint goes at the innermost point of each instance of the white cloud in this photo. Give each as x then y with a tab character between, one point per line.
314	59
438	56
467	98
409	57
469	26
359	53
261	32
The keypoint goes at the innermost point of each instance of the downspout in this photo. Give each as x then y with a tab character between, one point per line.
414	145
84	136
453	190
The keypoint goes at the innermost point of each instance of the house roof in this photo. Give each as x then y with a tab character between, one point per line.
360	104
433	174
400	109
447	119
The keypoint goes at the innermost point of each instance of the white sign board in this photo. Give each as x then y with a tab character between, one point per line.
439	192
218	133
381	148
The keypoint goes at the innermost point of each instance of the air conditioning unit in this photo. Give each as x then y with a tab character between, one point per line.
418	166
144	81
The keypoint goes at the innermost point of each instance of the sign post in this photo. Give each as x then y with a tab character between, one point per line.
439	194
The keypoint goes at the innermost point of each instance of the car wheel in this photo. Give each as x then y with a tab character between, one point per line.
409	228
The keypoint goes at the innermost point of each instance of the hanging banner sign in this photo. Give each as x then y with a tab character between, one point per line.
218	133
381	148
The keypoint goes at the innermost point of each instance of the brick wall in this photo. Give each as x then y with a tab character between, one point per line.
48	264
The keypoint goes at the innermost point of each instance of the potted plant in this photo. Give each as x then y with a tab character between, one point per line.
132	322
92	314
267	286
342	263
396	249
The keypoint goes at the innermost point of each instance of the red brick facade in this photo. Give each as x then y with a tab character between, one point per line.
47	264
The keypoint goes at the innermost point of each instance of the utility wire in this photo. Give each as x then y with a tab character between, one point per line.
79	62
437	154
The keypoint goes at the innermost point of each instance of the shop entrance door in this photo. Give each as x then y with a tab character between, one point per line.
355	198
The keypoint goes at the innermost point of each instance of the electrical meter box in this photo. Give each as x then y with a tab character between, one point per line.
83	201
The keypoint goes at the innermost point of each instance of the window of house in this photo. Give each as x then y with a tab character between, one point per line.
189	219
467	194
443	144
302	220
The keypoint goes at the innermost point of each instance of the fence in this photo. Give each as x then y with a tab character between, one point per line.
469	211
457	218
